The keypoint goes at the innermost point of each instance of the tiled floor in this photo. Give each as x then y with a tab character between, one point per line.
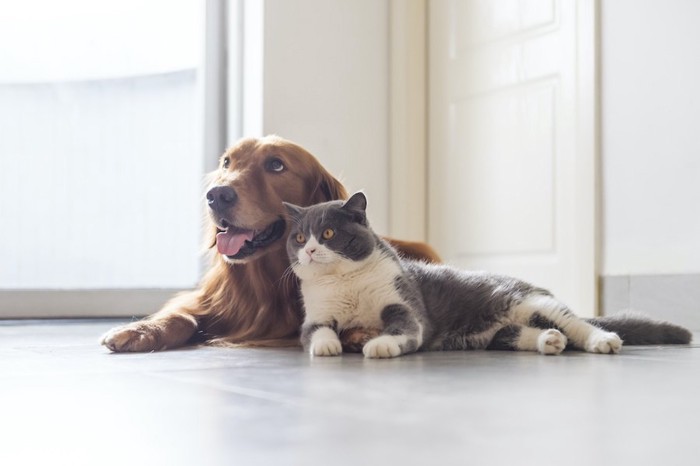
66	400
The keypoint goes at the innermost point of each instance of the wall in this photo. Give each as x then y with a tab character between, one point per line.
650	144
651	158
326	73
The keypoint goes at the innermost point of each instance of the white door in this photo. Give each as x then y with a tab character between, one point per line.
511	181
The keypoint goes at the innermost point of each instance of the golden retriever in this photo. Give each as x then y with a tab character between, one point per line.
247	296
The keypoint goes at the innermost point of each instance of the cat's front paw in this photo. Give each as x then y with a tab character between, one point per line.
326	347
551	341
384	346
604	342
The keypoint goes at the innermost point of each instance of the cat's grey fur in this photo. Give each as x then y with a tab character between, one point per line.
352	278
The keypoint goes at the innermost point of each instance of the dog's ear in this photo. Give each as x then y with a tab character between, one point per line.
328	188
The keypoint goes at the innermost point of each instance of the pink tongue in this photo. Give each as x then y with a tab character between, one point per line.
230	243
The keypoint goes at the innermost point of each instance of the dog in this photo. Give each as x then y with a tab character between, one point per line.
247	297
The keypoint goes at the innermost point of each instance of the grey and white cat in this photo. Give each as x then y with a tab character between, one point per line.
351	278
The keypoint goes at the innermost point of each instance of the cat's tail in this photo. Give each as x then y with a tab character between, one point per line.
637	329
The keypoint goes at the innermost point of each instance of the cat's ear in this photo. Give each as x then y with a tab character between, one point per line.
357	205
294	211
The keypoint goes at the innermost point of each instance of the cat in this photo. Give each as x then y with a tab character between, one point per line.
351	278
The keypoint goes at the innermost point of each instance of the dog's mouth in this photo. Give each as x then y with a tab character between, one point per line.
239	243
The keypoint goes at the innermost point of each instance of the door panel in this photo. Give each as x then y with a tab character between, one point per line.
504	183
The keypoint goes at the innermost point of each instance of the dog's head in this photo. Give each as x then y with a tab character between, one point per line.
245	194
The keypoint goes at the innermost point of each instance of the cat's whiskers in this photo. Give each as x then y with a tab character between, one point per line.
288	274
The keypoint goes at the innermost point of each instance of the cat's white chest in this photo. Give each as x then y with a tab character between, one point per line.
355	298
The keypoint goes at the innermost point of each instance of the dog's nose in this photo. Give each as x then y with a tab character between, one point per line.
221	197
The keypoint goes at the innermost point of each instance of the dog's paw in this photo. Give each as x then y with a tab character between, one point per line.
604	342
326	347
551	341
355	338
134	337
384	346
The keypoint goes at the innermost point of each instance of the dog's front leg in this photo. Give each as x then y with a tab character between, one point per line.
169	328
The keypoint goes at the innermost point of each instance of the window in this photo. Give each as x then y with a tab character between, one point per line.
100	155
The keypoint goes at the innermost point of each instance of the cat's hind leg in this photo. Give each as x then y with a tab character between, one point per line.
402	333
517	337
544	311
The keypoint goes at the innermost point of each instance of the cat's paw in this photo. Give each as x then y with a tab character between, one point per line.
604	342
326	347
384	346
551	341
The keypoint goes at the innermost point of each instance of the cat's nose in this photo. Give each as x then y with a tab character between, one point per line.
310	251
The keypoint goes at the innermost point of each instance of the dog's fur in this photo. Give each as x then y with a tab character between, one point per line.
254	300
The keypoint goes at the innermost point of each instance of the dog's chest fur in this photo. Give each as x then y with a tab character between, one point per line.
355	294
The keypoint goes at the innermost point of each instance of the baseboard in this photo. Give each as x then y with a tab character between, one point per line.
675	298
670	297
30	304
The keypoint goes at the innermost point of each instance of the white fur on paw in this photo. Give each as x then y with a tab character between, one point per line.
329	347
551	341
604	342
383	346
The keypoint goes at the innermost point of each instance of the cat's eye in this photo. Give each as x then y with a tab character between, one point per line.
226	163
301	239
328	233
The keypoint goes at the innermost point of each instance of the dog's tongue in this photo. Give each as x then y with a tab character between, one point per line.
230	243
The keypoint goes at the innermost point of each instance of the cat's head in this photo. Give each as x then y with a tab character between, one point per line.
329	233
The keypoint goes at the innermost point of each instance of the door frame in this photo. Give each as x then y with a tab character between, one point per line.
408	124
408	148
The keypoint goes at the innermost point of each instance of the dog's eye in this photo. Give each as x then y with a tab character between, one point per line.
301	239
275	165
226	163
328	233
